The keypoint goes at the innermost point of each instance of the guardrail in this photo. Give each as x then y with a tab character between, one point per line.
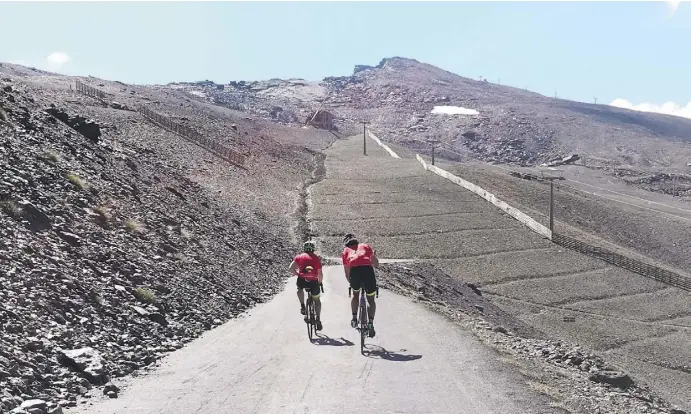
616	259
89	90
195	137
381	144
513	212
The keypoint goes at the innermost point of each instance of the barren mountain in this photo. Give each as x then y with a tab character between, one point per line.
511	125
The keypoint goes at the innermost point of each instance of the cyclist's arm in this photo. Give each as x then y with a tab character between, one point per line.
346	269
375	259
294	268
320	275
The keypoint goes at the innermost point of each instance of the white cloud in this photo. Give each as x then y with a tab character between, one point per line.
56	60
673	5
669	108
454	110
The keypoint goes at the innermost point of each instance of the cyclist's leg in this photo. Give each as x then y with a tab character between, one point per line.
370	287
355	285
301	294
314	291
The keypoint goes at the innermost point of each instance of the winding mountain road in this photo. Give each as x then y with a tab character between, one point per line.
263	362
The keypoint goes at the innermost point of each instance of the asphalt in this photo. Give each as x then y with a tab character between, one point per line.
263	362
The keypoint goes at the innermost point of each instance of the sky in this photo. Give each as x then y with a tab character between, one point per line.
629	54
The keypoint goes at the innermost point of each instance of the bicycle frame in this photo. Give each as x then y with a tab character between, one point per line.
363	316
311	314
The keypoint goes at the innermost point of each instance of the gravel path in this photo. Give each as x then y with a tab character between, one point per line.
264	363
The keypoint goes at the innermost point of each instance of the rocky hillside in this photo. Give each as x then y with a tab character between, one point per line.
512	125
120	241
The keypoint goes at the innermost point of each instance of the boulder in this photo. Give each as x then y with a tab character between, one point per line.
613	378
86	361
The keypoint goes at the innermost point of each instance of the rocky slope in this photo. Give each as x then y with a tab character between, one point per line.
120	241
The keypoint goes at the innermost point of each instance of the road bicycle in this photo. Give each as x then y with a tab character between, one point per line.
310	313
363	317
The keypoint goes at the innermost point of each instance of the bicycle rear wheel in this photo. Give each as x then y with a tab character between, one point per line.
363	327
310	319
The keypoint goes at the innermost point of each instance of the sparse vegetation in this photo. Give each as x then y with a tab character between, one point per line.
145	295
3	116
186	234
77	181
11	208
52	156
102	213
134	226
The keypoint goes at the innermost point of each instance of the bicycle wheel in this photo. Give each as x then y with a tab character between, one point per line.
363	326
310	318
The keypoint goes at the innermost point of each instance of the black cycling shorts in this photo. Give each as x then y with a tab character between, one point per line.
363	276
312	285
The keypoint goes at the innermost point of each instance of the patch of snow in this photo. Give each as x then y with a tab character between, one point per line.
197	93
454	110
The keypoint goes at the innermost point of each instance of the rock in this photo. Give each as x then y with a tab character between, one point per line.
88	128
35	411
474	288
140	311
37	218
87	361
33	344
158	318
56	410
8	88
71	238
30	404
614	378
112	394
111	388
500	329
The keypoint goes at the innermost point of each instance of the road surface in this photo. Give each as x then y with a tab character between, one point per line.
419	362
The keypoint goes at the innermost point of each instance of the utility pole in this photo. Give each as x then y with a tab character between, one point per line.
546	175
595	100
551	205
433	143
364	137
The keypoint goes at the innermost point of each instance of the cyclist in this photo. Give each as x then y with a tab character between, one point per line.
307	266
359	260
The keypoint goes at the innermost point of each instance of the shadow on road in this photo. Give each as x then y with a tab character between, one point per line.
375	351
322	339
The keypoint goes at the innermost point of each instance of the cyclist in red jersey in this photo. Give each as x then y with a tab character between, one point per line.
307	266
359	260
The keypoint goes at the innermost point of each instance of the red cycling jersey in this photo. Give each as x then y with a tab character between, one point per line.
360	256
304	260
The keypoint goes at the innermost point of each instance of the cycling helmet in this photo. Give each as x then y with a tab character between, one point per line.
308	246
349	239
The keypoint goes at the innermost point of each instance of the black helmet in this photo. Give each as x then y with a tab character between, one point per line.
349	239
308	246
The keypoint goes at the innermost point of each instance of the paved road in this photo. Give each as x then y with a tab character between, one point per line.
264	363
